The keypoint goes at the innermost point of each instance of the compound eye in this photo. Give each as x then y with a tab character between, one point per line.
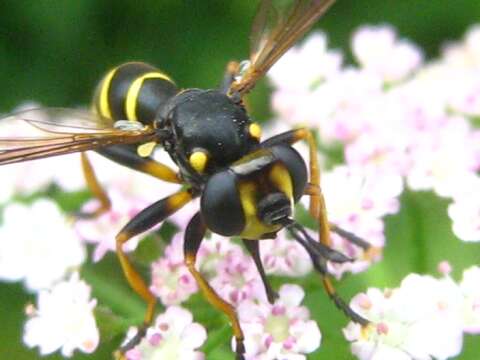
221	206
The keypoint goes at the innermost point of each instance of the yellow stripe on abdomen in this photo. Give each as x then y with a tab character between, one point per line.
134	91
103	105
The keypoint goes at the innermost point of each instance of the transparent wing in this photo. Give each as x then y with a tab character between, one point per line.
44	132
277	26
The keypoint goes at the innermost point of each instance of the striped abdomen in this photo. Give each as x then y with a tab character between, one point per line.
133	91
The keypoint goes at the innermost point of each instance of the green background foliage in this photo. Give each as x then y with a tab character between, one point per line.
54	52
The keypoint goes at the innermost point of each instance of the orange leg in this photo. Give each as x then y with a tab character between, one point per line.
193	237
146	219
318	210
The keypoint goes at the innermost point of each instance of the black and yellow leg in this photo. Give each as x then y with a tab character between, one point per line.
318	210
369	251
193	237
143	221
127	155
253	248
95	187
320	253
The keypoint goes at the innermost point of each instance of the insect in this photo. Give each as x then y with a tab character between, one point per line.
247	187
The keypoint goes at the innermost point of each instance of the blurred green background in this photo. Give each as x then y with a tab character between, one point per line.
54	52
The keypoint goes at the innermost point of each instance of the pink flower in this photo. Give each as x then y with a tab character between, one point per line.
173	336
378	51
237	279
279	331
213	252
171	279
284	257
102	230
442	158
395	123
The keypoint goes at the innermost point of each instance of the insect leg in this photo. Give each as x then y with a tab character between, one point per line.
229	77
193	237
95	187
143	221
319	256
127	155
253	248
317	210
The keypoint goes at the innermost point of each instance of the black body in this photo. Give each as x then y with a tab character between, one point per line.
209	121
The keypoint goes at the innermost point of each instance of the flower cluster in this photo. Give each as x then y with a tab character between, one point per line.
32	237
397	124
424	318
63	319
281	329
173	336
399	121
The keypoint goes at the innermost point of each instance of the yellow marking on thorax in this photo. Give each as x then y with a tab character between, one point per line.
134	91
255	131
103	97
198	160
254	228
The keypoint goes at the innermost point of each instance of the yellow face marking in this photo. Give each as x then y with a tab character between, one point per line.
254	228
103	97
134	91
255	131
146	149
199	160
280	177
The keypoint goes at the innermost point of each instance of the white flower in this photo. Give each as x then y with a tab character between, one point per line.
353	196
419	320
356	202
377	50
38	244
279	331
316	64
63	319
465	209
173	337
471	307
443	157
466	54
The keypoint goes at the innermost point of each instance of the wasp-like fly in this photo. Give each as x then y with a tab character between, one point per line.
247	186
